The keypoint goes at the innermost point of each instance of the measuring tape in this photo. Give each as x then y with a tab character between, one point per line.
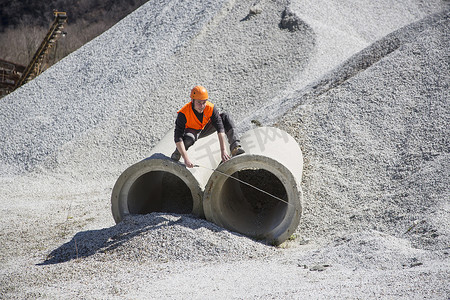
246	183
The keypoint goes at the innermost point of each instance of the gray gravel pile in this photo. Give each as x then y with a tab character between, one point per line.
355	64
160	238
101	86
378	141
120	98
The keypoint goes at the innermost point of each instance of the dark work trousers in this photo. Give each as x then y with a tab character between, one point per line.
191	135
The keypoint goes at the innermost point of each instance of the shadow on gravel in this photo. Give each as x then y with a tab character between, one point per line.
88	243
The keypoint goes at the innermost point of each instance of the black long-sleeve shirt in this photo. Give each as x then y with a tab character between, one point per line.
180	123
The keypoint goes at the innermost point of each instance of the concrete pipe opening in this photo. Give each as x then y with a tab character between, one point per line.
233	204
156	185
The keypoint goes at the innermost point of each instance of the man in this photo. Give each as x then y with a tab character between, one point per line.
200	118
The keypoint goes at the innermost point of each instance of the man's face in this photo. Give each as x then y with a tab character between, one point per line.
199	105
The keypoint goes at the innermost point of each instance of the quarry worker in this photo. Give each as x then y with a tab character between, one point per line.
200	118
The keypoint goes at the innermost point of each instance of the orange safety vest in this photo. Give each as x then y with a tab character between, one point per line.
191	118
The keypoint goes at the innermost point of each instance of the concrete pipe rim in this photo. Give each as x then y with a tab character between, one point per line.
119	195
287	215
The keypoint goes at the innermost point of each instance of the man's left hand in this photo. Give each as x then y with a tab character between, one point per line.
225	156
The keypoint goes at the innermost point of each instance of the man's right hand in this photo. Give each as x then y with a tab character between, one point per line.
188	163
182	150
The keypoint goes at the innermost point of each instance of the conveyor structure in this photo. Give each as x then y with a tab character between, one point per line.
35	67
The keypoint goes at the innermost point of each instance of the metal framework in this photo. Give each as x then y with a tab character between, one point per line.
35	67
10	74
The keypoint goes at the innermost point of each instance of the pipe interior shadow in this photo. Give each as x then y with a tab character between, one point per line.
251	211
159	191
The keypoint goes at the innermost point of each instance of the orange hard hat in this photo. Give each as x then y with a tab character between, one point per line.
199	93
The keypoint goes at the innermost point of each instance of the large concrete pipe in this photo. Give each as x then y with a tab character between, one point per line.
264	201
158	184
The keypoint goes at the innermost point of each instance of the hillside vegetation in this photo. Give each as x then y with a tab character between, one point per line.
23	25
